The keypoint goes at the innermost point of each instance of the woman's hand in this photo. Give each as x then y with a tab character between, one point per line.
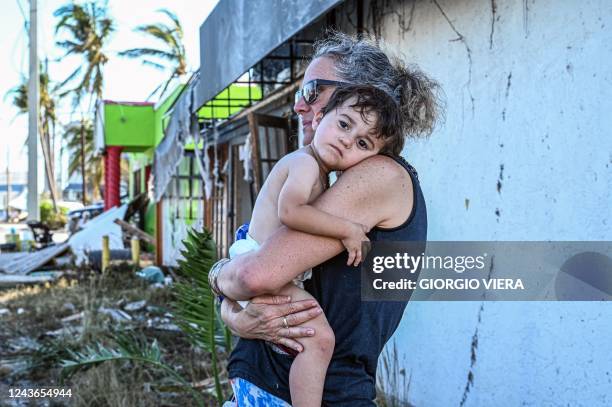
265	317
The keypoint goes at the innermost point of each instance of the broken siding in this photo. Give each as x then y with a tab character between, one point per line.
183	208
233	192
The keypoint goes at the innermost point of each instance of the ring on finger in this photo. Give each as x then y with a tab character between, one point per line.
285	324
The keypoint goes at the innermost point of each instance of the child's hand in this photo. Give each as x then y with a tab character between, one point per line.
353	243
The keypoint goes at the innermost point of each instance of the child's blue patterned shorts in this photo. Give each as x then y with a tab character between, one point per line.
246	394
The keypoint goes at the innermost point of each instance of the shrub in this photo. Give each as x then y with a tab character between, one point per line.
55	220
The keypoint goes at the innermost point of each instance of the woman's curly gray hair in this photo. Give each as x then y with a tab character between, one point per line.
361	61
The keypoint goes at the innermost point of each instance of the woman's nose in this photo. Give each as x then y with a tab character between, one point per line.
301	107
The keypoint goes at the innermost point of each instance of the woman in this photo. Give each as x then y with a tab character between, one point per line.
394	209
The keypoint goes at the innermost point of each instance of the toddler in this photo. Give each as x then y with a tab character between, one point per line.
357	123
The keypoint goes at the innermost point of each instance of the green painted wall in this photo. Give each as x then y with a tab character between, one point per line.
140	128
130	126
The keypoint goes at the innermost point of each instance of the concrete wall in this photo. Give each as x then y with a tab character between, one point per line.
525	153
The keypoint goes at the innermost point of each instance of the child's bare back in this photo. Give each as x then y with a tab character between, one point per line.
266	217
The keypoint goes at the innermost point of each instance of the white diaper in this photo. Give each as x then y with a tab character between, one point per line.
243	246
248	245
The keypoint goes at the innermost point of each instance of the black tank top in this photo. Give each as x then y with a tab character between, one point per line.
361	328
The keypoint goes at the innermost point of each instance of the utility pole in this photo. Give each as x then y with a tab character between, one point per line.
33	208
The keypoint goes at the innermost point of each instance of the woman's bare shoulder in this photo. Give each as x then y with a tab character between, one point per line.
381	184
377	168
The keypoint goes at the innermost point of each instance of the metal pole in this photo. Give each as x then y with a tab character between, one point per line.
33	208
8	188
83	176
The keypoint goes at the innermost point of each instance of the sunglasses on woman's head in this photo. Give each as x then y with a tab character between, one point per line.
310	91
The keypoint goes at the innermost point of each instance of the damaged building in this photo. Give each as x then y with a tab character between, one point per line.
522	82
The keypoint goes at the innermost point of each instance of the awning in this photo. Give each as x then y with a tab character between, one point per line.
239	33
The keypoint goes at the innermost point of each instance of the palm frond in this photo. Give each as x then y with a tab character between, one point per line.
20	96
154	91
177	24
98	81
64	13
139	52
159	31
194	307
70	77
199	256
171	35
167	84
87	28
154	65
72	136
127	348
68	45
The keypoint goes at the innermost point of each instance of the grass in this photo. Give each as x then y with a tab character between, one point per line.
392	386
36	311
121	383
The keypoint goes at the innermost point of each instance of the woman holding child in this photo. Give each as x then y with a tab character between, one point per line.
356	107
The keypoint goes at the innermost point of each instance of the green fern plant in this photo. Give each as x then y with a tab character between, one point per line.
194	307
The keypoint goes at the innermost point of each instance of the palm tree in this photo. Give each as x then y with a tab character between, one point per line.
88	27
47	120
172	52
80	146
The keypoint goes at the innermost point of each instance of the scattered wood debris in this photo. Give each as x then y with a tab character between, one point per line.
25	262
132	230
7	281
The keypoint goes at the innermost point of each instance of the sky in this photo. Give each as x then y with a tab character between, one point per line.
125	79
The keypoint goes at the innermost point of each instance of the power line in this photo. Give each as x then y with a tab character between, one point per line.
20	69
25	19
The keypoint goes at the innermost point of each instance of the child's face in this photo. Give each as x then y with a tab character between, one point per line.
342	137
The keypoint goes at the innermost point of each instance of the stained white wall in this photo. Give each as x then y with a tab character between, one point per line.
528	87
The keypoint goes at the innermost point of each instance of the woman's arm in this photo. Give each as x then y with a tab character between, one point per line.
375	192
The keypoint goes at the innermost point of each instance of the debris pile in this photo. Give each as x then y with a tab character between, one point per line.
41	324
86	247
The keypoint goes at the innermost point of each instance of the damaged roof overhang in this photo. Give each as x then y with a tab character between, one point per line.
239	33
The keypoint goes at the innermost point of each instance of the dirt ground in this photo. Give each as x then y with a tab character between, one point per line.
41	325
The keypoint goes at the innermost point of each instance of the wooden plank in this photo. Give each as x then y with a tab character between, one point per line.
134	231
7	281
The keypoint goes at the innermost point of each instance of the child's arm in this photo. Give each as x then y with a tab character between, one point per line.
295	212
